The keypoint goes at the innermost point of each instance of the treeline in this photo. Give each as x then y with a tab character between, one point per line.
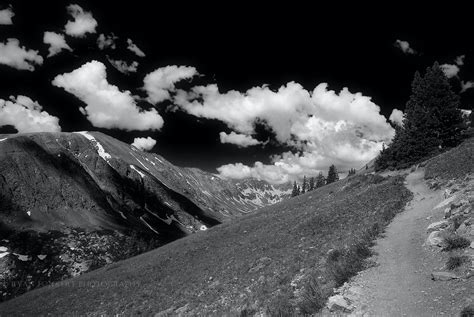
318	181
432	122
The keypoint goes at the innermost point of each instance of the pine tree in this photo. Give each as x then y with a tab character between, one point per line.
295	191
352	171
311	183
304	185
432	122
320	180
332	175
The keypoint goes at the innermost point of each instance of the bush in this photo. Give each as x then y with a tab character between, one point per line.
313	297
281	306
456	261
468	311
456	242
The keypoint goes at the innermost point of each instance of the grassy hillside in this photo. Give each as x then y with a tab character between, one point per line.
455	163
285	256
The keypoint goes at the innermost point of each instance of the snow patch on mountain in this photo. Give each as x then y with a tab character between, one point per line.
100	149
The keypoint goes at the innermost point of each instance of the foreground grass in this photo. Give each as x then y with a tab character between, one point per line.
284	258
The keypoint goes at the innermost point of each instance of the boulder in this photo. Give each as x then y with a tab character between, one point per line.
436	226
339	303
443	276
447	213
435	239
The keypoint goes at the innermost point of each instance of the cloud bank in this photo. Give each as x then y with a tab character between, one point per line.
16	56
6	16
26	116
106	105
240	140
83	22
144	144
56	43
324	127
160	82
404	46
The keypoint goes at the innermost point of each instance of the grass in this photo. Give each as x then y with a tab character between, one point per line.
455	241
249	262
455	163
456	261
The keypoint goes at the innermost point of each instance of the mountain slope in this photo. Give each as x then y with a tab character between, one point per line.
68	201
253	261
91	180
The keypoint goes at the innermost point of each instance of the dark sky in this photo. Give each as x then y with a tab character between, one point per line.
240	45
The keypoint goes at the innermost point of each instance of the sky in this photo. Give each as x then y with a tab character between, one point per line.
242	90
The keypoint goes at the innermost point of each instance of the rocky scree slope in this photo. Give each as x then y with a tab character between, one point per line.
56	187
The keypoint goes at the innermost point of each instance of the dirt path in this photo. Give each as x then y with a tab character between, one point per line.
401	285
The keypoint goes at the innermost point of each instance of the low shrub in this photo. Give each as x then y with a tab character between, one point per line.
456	261
467	311
313	297
456	242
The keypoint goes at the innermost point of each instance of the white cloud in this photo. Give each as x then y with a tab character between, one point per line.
460	60
144	144
132	47
123	67
56	43
106	41
26	115
325	127
466	85
160	82
396	117
241	140
13	55
83	22
106	105
404	46
6	16
450	70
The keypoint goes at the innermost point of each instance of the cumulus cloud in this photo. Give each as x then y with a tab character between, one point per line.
404	46
16	56
26	115
160	82
465	85
241	140
83	22
325	127
56	43
396	117
460	60
106	41
144	144
132	47
450	70
123	67
106	105
6	16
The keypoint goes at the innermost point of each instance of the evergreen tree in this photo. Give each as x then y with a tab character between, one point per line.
432	122
352	171
295	191
332	175
311	183
304	185
320	180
